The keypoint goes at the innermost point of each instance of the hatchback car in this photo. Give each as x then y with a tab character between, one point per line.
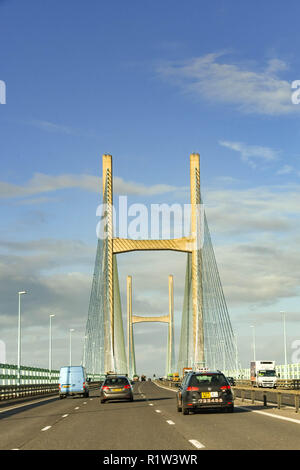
116	387
202	390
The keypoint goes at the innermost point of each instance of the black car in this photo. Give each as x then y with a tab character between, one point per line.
202	390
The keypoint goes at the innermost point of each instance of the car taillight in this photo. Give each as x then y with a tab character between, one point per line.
59	386
105	387
192	389
127	386
225	387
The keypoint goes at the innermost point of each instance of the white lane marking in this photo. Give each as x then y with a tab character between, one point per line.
169	421
14	449
91	399
284	418
64	416
84	402
151	404
77	408
46	428
27	404
197	444
158	411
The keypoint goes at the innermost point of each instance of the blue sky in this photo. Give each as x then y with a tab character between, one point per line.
149	83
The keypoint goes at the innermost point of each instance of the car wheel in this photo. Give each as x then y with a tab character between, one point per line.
179	408
230	409
102	401
131	398
185	411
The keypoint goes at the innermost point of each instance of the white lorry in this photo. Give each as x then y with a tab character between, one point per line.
263	374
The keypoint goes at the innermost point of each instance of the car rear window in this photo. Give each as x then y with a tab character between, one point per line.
208	379
116	381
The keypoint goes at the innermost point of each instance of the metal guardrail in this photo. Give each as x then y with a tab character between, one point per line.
9	392
267	396
291	384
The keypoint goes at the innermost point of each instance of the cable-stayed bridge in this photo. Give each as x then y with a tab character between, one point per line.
206	338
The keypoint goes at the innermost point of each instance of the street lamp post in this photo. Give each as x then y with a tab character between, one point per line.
84	351
254	355
71	331
19	337
50	346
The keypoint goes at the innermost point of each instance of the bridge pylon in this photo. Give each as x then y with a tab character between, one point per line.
206	332
132	319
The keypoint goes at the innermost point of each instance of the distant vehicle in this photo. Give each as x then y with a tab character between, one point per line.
263	374
143	378
200	390
73	381
176	377
231	381
186	370
116	387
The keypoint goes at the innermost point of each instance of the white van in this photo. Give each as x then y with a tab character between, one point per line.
72	381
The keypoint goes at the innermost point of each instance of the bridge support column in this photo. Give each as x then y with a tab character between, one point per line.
196	230
107	182
130	341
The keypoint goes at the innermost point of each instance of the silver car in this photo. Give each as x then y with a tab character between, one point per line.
116	387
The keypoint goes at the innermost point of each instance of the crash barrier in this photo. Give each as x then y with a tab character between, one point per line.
9	392
283	397
292	384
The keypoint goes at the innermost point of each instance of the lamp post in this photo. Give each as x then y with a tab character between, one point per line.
254	355
19	337
84	348
71	331
284	343
50	346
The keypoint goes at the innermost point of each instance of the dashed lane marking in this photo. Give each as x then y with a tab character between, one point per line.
196	444
46	428
169	421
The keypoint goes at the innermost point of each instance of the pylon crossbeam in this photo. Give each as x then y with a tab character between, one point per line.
124	245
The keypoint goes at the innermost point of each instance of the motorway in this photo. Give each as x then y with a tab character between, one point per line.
150	422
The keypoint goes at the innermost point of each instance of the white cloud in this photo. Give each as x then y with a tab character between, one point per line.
250	91
251	152
42	183
285	170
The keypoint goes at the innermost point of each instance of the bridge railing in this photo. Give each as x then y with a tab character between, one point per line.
281	397
10	392
292	384
28	375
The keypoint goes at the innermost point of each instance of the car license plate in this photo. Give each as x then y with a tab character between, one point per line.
118	389
205	394
66	386
214	394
